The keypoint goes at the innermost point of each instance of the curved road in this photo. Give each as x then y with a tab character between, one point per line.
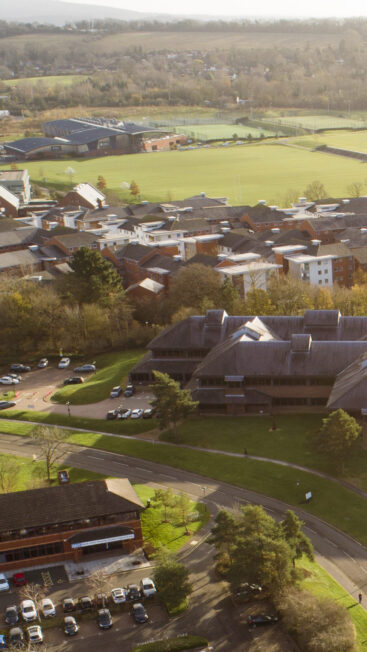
344	558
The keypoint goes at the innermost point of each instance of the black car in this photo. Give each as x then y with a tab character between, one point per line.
105	619
86	368
19	367
85	603
74	380
68	605
148	413
139	613
112	414
129	390
101	600
133	592
17	638
261	619
71	627
6	404
116	391
11	615
246	591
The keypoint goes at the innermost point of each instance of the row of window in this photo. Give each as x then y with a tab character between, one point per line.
267	380
32	551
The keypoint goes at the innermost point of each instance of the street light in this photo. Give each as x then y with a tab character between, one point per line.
68	408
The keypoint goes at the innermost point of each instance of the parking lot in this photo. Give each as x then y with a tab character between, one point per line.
37	386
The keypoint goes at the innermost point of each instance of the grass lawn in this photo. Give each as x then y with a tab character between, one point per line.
243	174
7	395
50	80
355	140
171	535
331	502
112	369
321	584
183	642
218	131
118	426
321	122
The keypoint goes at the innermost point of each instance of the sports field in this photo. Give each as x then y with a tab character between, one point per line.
321	122
355	140
222	131
52	80
243	174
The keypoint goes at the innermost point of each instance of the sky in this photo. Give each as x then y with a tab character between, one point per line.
242	8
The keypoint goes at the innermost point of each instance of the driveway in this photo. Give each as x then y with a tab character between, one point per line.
35	390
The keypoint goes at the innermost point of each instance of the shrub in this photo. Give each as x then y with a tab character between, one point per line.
184	642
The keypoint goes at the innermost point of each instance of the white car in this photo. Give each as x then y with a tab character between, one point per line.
147	587
48	608
137	413
4	584
64	362
34	634
29	611
118	595
8	380
127	414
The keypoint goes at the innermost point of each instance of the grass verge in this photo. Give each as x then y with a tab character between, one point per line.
177	610
184	642
321	584
170	534
113	369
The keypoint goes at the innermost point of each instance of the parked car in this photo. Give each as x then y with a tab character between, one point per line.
133	592
11	614
8	380
68	605
261	619
16	366
127	414
16	637
246	591
48	608
139	613
19	579
112	414
137	413
85	603
148	413
121	412
34	634
147	587
86	368
118	595
116	391
71	627
105	619
42	363
29	611
3	644
101	600
74	380
4	584
129	390
63	363
16	376
6	404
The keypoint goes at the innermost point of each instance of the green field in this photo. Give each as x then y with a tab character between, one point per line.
29	473
112	369
222	131
51	80
243	174
355	140
321	122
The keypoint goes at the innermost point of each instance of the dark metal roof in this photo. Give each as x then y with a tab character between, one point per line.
86	136
26	145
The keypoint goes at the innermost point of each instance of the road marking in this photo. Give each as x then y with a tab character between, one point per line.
268	509
364	569
164	475
350	556
140	468
331	543
310	528
100	459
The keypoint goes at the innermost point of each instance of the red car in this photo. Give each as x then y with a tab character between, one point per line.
19	579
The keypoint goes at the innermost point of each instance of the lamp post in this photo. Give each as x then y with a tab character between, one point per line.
68	408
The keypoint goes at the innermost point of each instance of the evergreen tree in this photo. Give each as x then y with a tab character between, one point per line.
172	402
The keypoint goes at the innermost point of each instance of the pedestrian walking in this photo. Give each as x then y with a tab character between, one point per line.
245	452
360	598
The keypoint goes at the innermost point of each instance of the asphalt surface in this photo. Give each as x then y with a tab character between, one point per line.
344	558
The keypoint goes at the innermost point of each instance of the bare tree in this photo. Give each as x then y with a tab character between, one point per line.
9	469
51	442
35	592
98	582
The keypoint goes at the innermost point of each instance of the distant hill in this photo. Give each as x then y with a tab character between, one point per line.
57	12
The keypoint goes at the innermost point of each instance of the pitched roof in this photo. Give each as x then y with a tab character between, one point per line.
133	251
25	145
75	239
147	284
19	236
8	196
349	390
21	258
89	193
69	502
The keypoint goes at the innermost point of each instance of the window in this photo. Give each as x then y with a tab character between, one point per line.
320	282
319	262
320	272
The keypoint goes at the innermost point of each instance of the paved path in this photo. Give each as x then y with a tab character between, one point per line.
344	558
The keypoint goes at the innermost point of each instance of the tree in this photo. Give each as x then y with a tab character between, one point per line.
193	284
223	537
297	540
9	470
315	190
183	510
70	172
172	581
229	296
339	432
93	279
165	498
258	303
101	183
172	403
35	592
50	441
134	189
98	582
355	189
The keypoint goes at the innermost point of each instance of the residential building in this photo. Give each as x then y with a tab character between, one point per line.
18	183
84	195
